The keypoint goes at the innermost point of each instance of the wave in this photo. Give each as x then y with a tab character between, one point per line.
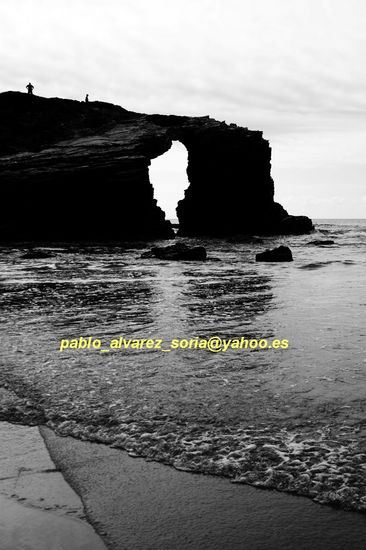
317	463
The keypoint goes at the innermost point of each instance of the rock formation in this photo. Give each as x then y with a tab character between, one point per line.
280	254
80	171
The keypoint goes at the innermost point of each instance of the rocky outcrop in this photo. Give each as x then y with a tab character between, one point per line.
295	225
72	171
280	254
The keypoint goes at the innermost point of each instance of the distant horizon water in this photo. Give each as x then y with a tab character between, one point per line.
317	220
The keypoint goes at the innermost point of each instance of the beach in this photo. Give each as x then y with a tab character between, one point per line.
39	510
143	505
185	448
149	506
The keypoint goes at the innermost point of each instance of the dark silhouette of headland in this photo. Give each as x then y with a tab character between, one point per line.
73	171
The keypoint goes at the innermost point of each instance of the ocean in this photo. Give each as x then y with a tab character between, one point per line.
290	418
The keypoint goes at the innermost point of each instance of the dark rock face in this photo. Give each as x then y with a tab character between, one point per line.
72	171
179	251
280	254
81	176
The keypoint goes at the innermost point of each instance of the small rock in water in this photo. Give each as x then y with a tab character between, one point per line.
280	254
319	242
36	255
179	251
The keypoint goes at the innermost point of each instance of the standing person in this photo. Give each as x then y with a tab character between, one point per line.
30	88
87	98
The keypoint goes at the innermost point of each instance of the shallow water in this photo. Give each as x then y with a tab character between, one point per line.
293	419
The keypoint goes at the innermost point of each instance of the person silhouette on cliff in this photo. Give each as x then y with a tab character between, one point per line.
87	98
30	88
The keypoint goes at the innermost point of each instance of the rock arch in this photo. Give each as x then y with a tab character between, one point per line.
74	171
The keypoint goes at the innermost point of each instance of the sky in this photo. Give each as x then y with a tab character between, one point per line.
294	69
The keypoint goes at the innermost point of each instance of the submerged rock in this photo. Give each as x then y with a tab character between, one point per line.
36	255
320	242
280	254
179	251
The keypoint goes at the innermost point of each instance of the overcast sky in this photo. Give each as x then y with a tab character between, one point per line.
292	68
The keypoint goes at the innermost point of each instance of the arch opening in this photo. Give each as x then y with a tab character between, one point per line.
168	176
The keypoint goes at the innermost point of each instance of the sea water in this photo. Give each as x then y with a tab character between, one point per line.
288	418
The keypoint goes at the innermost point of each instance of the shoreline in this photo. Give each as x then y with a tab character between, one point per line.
133	503
142	505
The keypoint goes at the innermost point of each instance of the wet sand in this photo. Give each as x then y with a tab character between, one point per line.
150	506
38	509
24	528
